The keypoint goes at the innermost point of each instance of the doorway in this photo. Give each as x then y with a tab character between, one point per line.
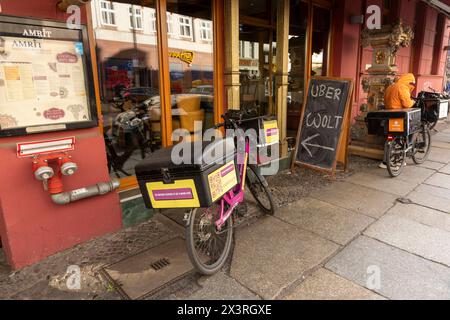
309	53
257	55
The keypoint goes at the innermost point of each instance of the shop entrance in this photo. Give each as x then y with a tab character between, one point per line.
308	53
257	55
309	45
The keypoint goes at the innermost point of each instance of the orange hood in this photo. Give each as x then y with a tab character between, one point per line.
407	79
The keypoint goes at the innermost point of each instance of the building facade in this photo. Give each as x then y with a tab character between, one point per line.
210	55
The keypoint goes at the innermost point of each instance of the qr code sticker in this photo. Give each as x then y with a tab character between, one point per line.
215	185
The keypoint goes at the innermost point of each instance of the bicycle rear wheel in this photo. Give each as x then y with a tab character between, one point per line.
259	189
396	156
208	248
422	146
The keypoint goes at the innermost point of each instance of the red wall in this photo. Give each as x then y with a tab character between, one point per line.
350	60
44	9
31	226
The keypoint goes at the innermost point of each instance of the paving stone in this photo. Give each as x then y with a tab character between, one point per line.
439	155
426	241
443	136
326	285
222	287
402	275
426	216
445	169
439	180
431	197
331	222
367	201
389	185
411	173
441	144
271	254
435	190
432	165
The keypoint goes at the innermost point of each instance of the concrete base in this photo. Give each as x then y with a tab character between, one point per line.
367	152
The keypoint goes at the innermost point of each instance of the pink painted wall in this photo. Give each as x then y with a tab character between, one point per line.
31	226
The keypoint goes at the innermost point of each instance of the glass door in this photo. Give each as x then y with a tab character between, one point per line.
309	43
257	55
191	67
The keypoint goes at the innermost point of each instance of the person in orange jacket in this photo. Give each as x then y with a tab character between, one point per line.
398	96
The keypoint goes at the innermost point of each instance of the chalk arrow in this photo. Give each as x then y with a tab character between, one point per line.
306	144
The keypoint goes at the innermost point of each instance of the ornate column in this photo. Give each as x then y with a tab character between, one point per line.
385	43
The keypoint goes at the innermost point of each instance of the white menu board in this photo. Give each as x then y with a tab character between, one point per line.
42	82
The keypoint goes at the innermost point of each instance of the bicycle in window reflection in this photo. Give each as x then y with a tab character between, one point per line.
128	140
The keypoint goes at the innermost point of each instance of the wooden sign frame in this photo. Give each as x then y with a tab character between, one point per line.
341	155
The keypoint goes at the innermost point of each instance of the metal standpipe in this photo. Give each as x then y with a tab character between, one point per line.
84	193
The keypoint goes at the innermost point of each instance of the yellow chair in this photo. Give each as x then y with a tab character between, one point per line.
189	102
188	120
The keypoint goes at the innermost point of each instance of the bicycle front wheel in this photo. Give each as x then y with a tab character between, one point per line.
396	156
260	190
208	248
422	146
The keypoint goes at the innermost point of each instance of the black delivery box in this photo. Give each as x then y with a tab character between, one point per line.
186	177
401	122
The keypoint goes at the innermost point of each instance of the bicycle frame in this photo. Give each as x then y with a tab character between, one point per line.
235	196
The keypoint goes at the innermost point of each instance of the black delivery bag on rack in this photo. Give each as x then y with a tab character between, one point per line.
401	122
203	177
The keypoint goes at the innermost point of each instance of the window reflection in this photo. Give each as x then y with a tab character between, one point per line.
257	55
128	70
191	65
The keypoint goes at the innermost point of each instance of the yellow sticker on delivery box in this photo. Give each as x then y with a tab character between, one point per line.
222	180
180	194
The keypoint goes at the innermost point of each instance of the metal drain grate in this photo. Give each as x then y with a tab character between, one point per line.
143	274
160	264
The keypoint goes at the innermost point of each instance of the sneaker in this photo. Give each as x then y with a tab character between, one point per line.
382	166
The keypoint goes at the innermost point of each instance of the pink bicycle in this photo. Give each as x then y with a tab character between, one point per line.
209	232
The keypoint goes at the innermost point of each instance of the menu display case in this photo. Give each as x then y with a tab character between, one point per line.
46	80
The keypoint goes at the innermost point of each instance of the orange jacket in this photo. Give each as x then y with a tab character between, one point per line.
398	95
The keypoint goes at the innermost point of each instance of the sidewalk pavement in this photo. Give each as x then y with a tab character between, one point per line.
348	239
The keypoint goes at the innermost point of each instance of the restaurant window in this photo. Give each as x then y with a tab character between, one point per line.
129	74
191	67
107	13
205	30
135	17
185	24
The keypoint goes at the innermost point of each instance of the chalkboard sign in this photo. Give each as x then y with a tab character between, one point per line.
325	114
